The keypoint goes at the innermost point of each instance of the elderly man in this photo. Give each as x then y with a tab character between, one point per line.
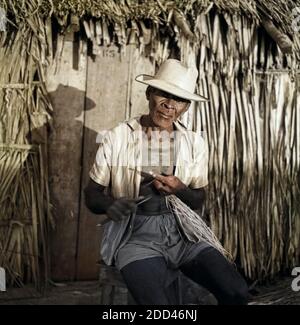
150	235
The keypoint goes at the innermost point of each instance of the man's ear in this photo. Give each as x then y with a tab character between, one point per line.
187	107
148	90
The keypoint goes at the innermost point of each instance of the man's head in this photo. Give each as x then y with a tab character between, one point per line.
165	108
171	91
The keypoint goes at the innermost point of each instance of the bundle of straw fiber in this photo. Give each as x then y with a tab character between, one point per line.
252	127
24	195
123	10
132	24
193	226
126	18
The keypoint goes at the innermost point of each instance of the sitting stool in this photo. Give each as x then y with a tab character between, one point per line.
113	288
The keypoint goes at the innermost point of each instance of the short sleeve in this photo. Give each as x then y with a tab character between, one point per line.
101	169
200	167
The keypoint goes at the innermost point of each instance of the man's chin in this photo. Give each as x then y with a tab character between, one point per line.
163	123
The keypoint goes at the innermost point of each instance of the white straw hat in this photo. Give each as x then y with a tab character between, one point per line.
175	78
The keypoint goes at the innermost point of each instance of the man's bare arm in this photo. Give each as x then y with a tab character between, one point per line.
194	198
95	198
99	203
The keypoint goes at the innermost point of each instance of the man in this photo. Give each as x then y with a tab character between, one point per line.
150	241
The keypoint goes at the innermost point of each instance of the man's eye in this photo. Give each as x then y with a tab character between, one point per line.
181	102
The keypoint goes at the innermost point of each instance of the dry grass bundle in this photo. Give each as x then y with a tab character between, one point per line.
193	226
124	10
126	17
252	126
24	195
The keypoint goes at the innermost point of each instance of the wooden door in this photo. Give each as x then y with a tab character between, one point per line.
111	85
88	97
66	87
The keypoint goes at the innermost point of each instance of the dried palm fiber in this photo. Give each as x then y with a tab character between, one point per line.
192	224
283	41
117	14
127	9
25	213
252	213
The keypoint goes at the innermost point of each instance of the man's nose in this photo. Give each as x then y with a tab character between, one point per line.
170	103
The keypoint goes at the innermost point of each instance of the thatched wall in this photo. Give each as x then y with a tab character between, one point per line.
25	211
251	121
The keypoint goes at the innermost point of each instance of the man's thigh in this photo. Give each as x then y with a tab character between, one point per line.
146	280
214	272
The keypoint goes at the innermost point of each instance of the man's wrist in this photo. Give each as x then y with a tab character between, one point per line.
108	201
183	193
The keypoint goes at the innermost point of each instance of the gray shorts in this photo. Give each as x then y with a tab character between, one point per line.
157	236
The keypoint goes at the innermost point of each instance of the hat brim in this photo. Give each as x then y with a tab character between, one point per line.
169	88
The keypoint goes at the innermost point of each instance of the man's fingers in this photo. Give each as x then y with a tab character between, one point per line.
158	184
121	209
161	178
115	214
131	205
165	190
162	188
125	204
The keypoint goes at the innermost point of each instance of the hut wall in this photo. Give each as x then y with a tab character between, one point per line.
251	124
248	122
25	209
67	89
89	94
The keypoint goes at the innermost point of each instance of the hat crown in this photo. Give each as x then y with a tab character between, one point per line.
174	78
176	73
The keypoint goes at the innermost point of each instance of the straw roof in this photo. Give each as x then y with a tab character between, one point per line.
280	11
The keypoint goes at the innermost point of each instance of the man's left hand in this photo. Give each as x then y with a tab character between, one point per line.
168	184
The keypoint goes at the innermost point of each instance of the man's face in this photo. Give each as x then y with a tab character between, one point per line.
165	108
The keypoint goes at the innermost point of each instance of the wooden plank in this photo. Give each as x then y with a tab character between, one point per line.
138	101
107	85
110	83
67	91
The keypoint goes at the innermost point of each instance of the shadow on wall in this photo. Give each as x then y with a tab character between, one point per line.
71	151
66	132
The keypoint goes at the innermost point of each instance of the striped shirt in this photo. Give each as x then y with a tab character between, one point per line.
118	164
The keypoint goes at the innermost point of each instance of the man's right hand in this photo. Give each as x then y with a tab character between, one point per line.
121	209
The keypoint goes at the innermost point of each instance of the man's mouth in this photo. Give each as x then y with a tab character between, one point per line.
165	115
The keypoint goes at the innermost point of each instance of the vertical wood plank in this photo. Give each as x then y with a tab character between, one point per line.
111	85
67	92
107	86
141	65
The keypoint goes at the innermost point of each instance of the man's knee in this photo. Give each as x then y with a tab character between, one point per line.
145	279
237	296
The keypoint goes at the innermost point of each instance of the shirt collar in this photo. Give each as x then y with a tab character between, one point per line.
134	123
